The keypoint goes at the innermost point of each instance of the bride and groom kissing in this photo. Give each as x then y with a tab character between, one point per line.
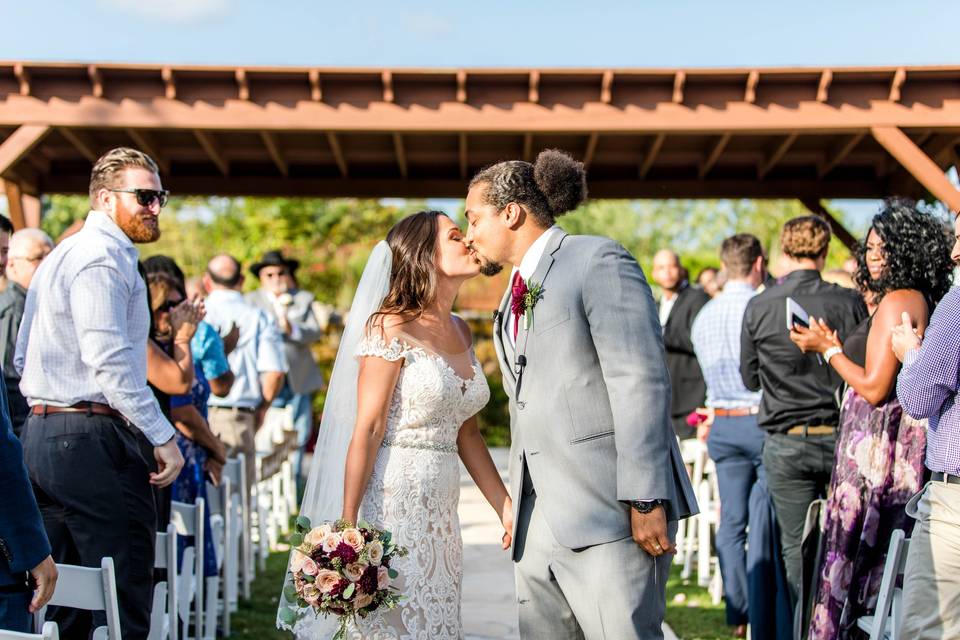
596	479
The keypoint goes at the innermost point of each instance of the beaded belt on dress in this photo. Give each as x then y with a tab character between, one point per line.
427	446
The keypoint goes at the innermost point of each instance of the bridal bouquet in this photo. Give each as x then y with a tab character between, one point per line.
340	569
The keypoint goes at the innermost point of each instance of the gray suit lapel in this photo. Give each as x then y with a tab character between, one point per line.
540	276
502	346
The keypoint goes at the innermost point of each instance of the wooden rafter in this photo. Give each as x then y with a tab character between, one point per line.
243	86
651	155
461	86
816	207
144	141
771	161
606	87
212	148
169	83
338	156
386	79
401	154
919	164
533	93
81	142
528	147
15	204
273	148
679	81
19	144
591	149
823	88
750	91
837	155
316	90
896	84
713	155
96	81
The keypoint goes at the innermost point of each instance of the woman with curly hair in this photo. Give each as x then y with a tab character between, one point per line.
905	266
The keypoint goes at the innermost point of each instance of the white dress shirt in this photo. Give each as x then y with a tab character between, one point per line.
528	265
85	325
666	306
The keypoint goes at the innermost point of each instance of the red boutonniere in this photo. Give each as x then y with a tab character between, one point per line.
524	298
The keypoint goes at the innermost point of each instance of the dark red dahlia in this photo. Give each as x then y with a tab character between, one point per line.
345	552
368	581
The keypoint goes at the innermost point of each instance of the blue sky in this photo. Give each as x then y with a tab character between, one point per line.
610	33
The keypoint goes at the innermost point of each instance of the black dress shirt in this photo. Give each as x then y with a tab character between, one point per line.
797	388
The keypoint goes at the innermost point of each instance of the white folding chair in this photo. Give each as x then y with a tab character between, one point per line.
50	632
188	520
163	618
885	622
88	589
235	471
217	497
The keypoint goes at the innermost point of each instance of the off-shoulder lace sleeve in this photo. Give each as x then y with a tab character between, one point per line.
373	344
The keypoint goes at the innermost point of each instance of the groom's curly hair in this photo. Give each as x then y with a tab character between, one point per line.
413	273
548	188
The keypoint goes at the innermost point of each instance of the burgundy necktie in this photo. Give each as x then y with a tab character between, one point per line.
518	291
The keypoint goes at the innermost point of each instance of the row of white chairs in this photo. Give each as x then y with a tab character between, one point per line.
695	536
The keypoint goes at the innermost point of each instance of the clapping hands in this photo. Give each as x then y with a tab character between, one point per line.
184	319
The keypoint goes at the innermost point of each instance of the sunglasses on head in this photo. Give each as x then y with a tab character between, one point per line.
146	197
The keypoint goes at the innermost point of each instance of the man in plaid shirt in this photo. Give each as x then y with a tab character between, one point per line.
927	388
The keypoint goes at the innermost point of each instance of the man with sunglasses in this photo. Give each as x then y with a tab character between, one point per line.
82	356
28	247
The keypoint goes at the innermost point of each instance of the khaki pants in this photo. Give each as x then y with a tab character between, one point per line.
236	427
931	581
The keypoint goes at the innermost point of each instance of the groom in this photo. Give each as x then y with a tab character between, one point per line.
596	475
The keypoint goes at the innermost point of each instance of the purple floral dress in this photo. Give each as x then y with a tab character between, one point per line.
878	467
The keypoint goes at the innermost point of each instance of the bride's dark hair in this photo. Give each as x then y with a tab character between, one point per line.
413	272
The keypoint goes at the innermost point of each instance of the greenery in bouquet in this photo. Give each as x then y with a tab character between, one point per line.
339	569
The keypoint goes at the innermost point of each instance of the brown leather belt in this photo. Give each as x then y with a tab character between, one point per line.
739	412
812	430
81	407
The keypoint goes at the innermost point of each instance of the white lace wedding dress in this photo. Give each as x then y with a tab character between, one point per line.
415	487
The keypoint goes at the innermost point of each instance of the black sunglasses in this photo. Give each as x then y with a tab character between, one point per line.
146	197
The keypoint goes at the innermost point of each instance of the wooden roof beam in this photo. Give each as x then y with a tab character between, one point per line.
386	79
651	156
896	84
96	81
148	144
212	149
750	91
19	144
771	161
715	152
533	93
590	150
316	90
81	142
401	154
679	81
338	156
606	87
919	164
837	155
823	88
816	208
243	86
273	148
15	204
461	86
23	78
169	82
528	147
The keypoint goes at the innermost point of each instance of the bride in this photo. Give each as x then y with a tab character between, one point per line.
401	406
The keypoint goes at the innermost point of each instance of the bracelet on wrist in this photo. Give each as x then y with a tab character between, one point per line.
832	351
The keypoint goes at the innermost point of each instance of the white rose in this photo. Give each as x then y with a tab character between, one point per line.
354	571
362	600
383	578
330	542
314	537
354	538
375	552
297	561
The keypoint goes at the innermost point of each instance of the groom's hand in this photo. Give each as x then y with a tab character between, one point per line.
650	531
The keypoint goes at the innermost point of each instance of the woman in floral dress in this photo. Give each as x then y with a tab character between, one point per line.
905	266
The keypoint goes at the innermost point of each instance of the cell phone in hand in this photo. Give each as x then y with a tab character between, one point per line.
796	315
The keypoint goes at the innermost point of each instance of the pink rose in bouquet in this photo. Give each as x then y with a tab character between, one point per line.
339	569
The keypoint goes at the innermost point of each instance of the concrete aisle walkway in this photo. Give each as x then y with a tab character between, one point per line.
489	596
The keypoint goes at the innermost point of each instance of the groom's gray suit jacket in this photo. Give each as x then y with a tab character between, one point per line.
591	420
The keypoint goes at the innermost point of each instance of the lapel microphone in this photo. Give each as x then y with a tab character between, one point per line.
497	320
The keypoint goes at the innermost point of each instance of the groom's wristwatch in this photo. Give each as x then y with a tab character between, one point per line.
645	506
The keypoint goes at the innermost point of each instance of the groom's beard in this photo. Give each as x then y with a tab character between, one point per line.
488	267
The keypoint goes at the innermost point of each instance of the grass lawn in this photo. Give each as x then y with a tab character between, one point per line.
690	612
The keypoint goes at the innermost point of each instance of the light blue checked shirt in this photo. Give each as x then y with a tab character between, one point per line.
83	337
929	381
716	341
259	349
